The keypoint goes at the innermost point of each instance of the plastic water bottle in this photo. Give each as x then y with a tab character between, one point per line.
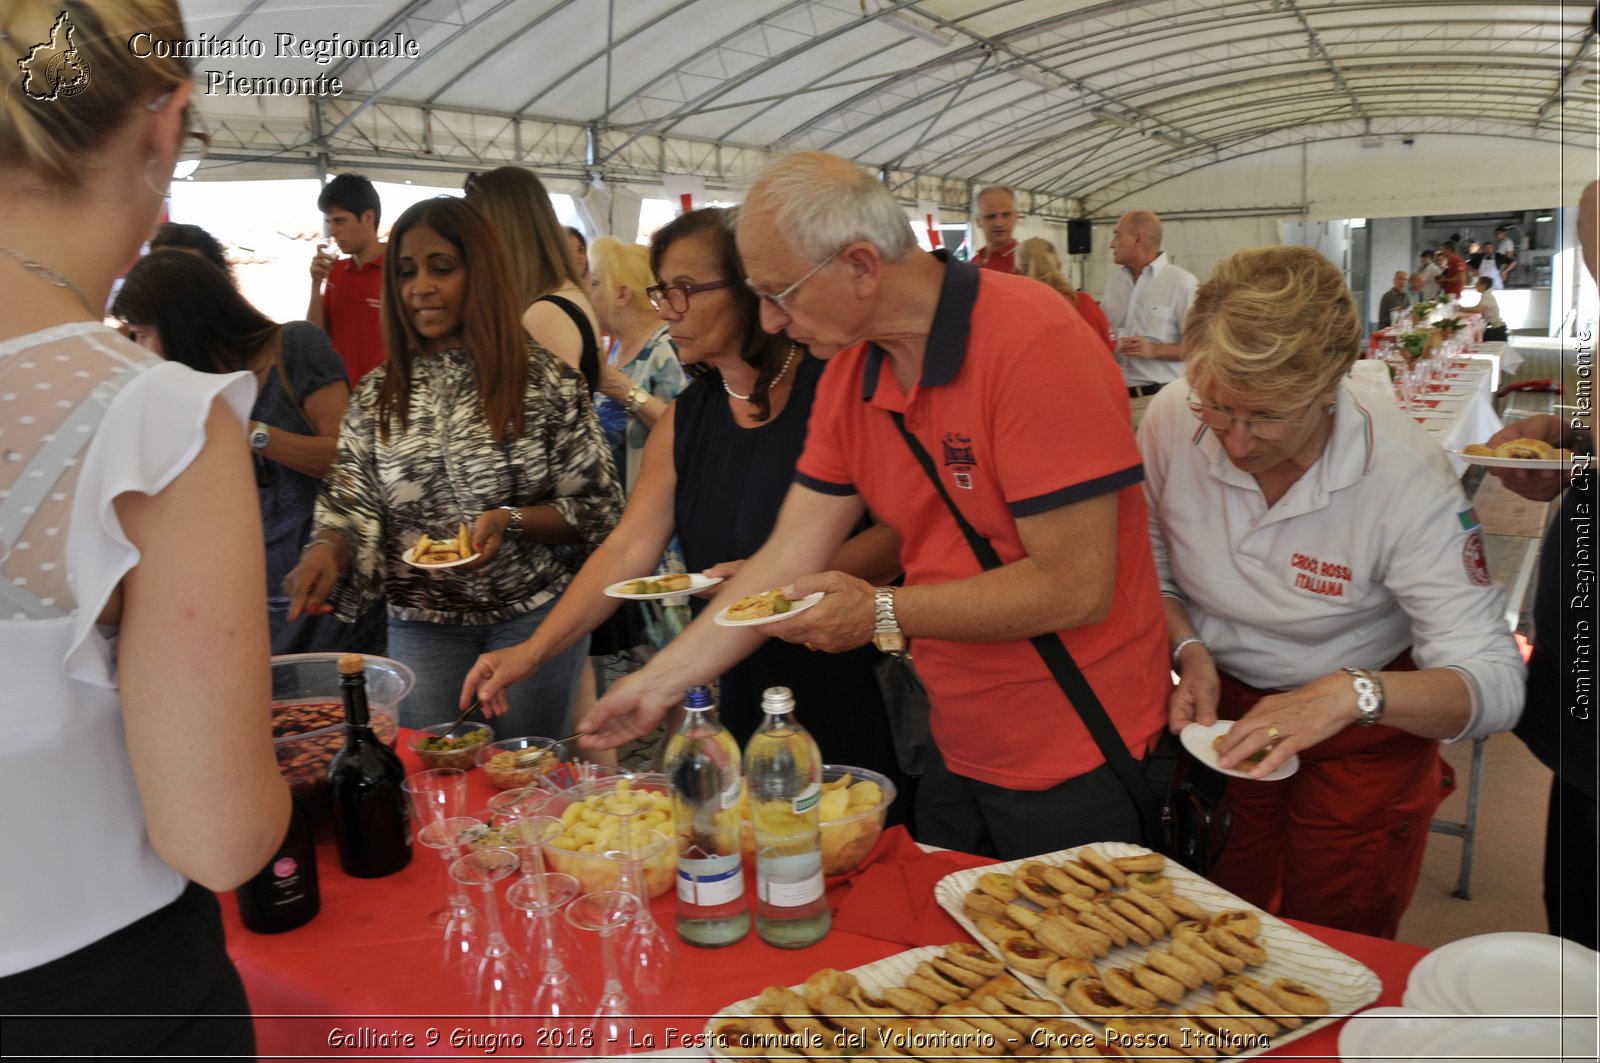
783	770
702	766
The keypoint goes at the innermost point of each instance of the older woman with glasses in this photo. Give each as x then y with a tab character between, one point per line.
1325	588
716	468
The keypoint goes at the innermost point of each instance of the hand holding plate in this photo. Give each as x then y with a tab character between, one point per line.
842	620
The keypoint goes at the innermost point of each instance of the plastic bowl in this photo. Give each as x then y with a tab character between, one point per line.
464	755
497	761
308	713
585	859
847	839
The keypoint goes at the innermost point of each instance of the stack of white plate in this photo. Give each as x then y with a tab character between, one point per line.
1491	997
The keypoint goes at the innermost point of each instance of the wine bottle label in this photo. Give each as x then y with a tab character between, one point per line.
711	881
807	799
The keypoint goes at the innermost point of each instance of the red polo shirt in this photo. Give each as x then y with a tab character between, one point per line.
1453	277
351	298
1001	260
1024	411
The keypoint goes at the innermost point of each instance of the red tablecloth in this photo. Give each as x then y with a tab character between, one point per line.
367	973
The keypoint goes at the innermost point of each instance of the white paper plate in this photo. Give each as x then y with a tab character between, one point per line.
1347	985
407	558
1475	1039
1388	1035
1527	464
698	581
1197	739
1512	973
798	606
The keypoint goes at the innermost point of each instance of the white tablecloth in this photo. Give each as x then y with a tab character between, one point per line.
1457	409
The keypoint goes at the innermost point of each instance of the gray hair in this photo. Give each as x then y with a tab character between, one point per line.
822	203
986	189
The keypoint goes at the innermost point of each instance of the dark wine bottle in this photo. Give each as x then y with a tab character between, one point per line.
284	895
364	779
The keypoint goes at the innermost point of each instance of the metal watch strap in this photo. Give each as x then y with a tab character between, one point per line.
515	526
1369	695
635	399
886	633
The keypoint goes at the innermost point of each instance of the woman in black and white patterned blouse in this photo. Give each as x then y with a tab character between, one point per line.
467	422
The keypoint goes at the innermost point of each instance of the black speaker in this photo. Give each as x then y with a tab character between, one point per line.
1078	236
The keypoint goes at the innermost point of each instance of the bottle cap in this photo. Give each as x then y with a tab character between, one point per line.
351	664
698	698
776	701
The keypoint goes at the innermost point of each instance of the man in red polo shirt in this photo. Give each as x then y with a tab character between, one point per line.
1026	416
1452	270
997	217
347	293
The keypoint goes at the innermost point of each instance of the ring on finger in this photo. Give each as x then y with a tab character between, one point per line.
1272	734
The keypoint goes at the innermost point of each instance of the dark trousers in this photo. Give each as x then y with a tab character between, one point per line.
956	812
1571	836
160	987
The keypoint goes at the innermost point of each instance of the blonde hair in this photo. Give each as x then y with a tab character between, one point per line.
50	124
1037	258
620	265
516	204
1275	327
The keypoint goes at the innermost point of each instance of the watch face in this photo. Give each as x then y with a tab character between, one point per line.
889	641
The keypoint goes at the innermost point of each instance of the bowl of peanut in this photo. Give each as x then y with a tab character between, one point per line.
308	713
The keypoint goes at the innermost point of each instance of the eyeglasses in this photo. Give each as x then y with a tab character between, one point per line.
781	299
677	295
470	184
1269	428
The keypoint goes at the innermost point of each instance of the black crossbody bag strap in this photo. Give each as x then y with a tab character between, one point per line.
1065	670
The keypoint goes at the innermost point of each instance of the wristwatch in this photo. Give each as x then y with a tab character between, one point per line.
515	527
635	399
1369	695
258	437
886	633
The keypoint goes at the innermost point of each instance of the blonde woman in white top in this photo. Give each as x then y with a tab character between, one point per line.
134	686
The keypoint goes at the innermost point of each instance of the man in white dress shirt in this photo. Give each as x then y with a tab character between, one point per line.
1146	300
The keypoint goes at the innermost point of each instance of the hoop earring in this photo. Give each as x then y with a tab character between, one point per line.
155	160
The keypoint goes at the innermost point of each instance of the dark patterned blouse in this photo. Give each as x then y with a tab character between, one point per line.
444	468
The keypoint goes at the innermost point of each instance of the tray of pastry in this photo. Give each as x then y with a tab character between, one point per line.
1130	941
933	1003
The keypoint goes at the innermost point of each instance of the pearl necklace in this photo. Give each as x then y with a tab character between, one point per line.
793	348
50	276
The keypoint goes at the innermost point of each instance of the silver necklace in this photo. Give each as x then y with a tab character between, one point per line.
793	347
45	273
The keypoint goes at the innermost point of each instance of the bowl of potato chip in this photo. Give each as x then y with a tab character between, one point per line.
590	828
853	806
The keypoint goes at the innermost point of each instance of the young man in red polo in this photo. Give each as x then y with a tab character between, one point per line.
347	292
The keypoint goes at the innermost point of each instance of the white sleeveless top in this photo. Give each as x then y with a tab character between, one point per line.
85	416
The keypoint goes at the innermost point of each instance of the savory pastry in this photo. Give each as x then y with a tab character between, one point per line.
953	972
1106	923
1182	948
756	606
1065	884
1032	884
1133	865
660	583
1297	997
442	551
1227	941
1133	931
1226	960
1244	924
1028	1004
1226	1003
1090	998
1064	938
1185	907
1164	986
1153	906
1150	882
1023	953
978	901
1480	450
1170	965
1086	875
1120	984
1153	927
972	1014
1252	760
1525	448
909	1001
1253	995
1231	1027
995	929
1023	915
829	981
973	958
1103	867
966	1034
1001	887
928	981
1064	972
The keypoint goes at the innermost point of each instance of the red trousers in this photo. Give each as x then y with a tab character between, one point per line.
1341	841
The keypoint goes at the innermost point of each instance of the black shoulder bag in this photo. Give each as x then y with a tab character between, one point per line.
1182	814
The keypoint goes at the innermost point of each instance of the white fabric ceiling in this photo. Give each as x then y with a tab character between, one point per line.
1083	105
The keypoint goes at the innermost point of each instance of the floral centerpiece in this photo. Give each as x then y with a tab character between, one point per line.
1415	343
1420	312
1449	326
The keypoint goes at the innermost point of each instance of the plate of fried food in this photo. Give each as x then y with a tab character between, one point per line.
662	585
1532	454
928	1003
764	608
1144	948
441	553
1203	739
